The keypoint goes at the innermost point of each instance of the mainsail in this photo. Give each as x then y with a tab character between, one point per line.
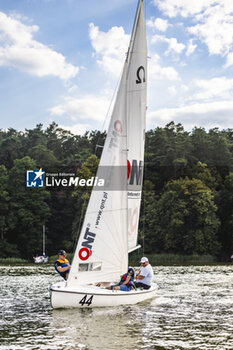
110	226
136	122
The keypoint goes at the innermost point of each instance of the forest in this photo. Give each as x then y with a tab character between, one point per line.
187	203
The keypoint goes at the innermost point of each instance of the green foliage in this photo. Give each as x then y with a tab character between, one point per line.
187	194
209	176
44	157
185	220
168	152
11	147
225	213
28	208
24	210
8	249
4	200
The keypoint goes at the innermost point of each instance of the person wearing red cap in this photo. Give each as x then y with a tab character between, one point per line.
145	275
62	265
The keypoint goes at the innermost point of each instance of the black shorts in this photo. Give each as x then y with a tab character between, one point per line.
142	285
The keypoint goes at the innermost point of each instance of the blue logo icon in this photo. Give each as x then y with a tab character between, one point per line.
35	178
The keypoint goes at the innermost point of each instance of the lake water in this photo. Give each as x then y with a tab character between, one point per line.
193	310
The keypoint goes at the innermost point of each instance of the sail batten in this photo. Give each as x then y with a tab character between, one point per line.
135	248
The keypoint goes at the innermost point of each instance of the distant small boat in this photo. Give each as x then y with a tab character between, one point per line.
42	259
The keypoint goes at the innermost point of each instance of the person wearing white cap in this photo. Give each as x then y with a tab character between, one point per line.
145	275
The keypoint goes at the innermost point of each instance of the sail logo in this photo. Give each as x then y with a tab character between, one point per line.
115	134
139	79
86	250
133	220
35	178
135	172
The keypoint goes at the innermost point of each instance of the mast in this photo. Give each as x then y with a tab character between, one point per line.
43	239
140	3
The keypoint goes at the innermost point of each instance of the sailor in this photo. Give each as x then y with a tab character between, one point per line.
62	265
145	275
127	281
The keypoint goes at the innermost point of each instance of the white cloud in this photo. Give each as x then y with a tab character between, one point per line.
158	23
18	49
110	47
172	90
185	8
76	129
216	88
213	22
215	30
173	45
157	72
191	47
87	107
229	61
209	115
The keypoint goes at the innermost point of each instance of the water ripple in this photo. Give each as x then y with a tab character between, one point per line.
193	310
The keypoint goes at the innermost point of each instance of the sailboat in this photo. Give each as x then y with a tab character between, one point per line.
110	228
41	259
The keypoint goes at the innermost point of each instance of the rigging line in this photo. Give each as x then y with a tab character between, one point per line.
81	220
111	102
143	225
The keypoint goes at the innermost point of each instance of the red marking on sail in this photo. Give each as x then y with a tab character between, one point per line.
128	169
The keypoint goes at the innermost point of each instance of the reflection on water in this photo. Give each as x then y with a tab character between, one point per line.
99	328
193	310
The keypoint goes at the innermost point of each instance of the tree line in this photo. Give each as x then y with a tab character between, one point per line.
187	203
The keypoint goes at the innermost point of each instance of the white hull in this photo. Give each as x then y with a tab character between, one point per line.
91	296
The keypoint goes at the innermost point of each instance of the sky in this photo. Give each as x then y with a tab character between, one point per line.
61	60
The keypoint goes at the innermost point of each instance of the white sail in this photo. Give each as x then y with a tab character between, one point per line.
101	253
136	122
102	249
